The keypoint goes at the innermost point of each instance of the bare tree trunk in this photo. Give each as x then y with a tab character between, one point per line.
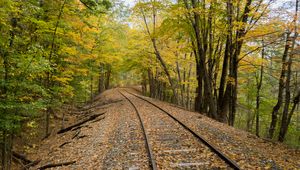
184	95
259	79
4	162
107	76
6	150
284	129
285	112
280	89
101	83
144	83
9	151
199	90
151	83
201	53
199	102
285	115
181	86
156	83
48	112
234	60
188	99
91	89
249	114
223	99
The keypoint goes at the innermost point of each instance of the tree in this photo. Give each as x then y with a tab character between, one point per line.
286	116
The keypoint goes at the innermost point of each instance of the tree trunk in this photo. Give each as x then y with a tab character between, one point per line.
201	53
4	143
199	102
47	122
249	114
151	83
181	84
199	94
188	99
157	53
236	50
280	89
284	129
258	88
101	83
107	76
48	81
285	114
144	83
92	88
221	100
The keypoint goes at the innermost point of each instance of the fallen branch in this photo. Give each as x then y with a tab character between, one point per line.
21	157
32	164
20	162
268	140
83	136
76	134
79	127
60	146
101	118
82	112
56	165
26	163
79	123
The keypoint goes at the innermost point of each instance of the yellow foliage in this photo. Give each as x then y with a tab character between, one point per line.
25	98
63	80
70	50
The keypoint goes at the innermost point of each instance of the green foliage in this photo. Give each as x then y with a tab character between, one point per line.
43	56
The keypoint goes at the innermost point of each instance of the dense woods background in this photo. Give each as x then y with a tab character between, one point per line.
236	61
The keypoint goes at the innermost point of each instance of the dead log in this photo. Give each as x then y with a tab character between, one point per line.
79	123
56	165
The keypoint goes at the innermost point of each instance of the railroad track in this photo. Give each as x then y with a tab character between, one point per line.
152	162
199	138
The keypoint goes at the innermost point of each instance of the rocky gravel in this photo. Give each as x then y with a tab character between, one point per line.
173	146
115	140
249	151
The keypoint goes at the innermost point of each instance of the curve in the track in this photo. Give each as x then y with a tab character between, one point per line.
152	162
213	148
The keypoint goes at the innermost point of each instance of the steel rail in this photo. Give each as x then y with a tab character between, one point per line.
152	162
212	147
